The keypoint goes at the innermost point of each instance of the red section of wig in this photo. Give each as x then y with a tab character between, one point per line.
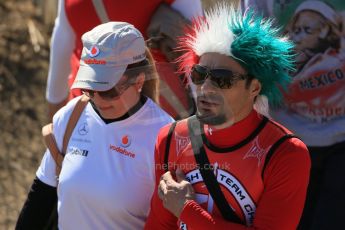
185	45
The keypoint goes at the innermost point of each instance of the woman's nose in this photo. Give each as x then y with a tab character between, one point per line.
297	37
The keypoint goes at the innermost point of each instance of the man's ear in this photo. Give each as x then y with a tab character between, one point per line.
139	82
255	87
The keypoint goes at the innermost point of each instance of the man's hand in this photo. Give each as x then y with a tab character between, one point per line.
175	194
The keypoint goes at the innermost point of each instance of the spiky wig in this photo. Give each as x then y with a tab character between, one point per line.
249	39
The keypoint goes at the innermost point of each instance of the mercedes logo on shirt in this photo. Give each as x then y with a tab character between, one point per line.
83	129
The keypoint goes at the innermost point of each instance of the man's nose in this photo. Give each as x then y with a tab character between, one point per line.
209	86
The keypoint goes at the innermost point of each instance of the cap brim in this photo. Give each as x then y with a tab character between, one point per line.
98	78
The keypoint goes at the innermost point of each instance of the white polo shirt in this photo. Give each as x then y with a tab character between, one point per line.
107	178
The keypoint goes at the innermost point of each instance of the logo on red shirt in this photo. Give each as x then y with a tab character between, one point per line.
256	151
181	143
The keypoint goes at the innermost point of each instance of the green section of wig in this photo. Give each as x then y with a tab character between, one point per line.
261	50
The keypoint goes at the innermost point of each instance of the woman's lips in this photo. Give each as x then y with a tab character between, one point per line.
104	108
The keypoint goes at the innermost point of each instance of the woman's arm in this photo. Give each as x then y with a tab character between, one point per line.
38	207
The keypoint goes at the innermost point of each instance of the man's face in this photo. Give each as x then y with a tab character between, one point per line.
221	107
306	33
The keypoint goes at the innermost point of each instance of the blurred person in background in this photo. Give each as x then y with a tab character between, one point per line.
314	105
230	166
107	174
160	21
316	29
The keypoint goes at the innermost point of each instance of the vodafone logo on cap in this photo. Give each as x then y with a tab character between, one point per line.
94	51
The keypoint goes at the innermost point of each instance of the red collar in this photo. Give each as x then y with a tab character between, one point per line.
234	134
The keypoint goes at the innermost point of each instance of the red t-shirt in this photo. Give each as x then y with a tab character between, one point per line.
264	197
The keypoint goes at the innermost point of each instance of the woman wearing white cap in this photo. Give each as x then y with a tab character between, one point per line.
314	106
106	179
161	20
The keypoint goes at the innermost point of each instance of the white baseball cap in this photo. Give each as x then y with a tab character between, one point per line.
107	51
320	7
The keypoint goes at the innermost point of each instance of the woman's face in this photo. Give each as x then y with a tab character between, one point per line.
306	33
114	105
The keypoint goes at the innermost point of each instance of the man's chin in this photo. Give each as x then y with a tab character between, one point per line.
211	119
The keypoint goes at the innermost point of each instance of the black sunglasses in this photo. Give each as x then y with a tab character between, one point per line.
111	94
222	78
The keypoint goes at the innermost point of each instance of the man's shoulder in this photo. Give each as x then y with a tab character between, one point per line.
286	139
172	133
177	128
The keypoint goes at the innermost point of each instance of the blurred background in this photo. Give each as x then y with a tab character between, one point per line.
24	54
25	29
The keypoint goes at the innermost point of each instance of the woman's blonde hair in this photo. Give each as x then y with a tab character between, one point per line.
151	84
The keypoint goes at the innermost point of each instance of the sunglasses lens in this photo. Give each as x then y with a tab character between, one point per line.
198	75
222	77
110	94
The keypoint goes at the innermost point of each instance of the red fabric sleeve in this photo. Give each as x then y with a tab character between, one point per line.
195	217
159	217
169	1
280	207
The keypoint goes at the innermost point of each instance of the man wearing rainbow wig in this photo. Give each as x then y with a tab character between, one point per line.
230	166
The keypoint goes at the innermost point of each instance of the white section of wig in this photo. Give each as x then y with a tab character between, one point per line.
261	105
214	34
